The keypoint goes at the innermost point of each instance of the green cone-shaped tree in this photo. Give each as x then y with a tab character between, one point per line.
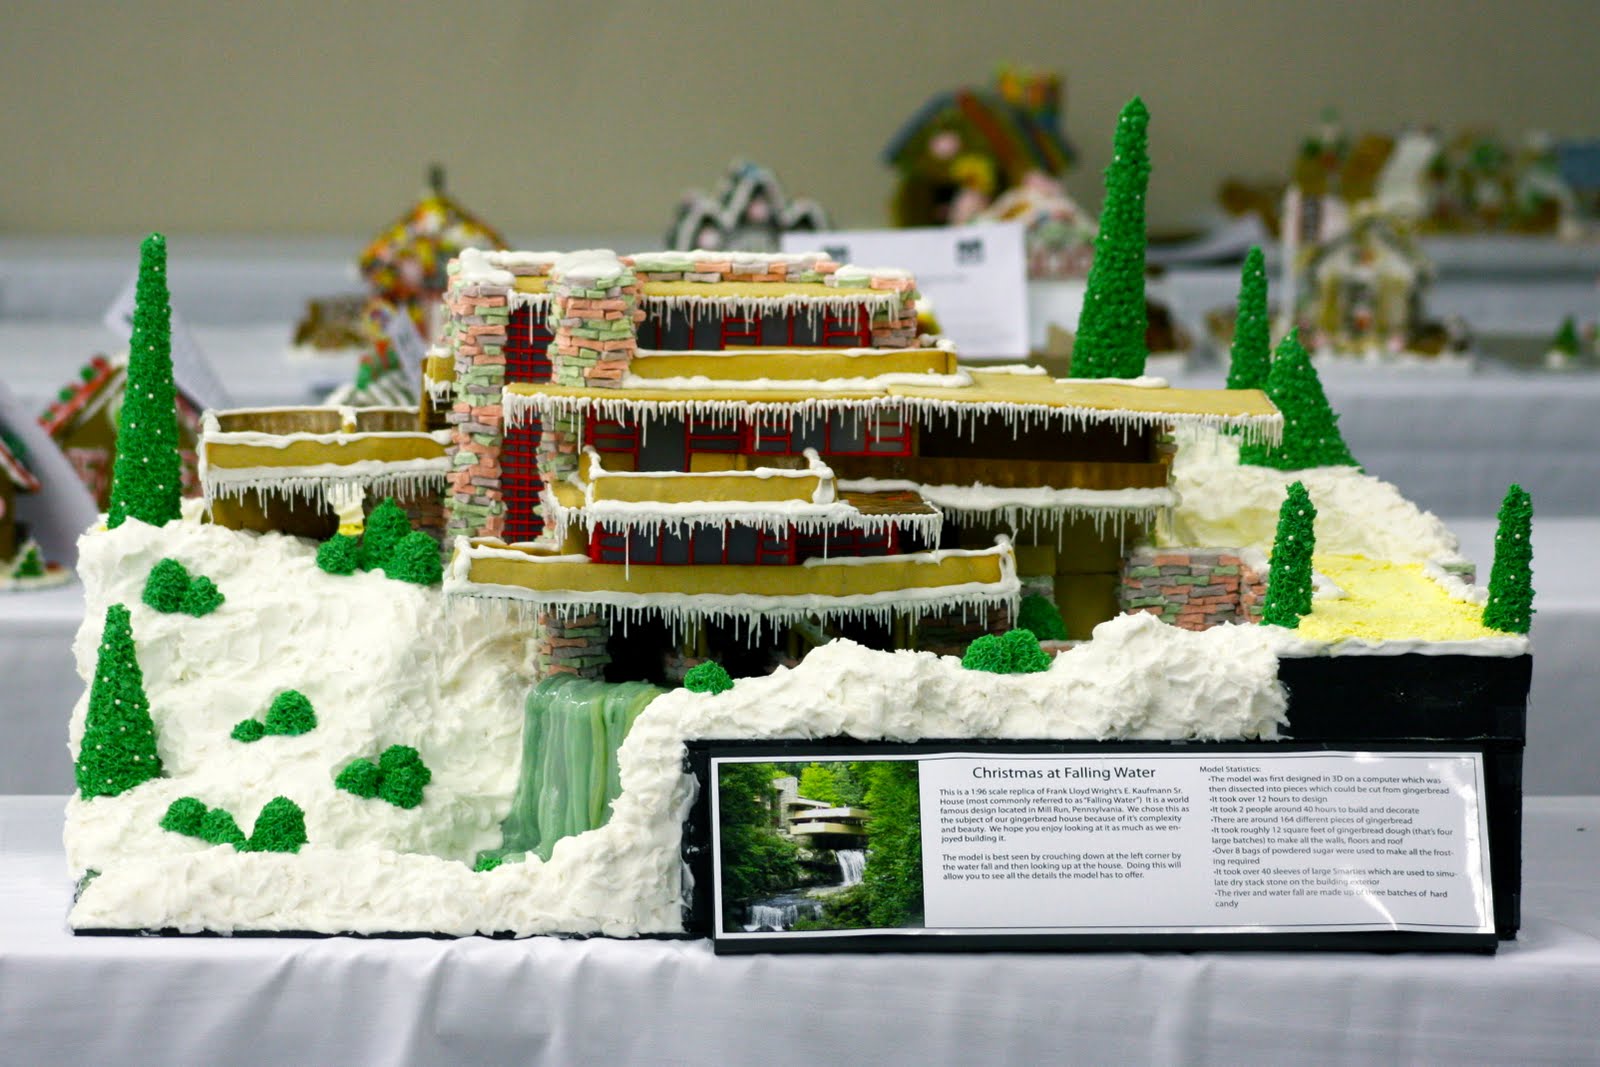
1310	428
386	526
145	481
1111	327
1566	339
31	565
1510	604
1250	359
119	737
1289	584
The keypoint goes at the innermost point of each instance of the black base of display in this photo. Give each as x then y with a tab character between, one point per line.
1412	701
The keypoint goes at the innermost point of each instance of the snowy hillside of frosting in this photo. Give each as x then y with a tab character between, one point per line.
1225	504
367	870
383	662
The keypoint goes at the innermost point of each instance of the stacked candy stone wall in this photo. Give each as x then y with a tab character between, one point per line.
572	646
479	313
1194	588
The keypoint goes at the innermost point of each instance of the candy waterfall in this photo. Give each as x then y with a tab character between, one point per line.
572	729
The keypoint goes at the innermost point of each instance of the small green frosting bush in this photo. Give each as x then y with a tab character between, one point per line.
281	827
359	777
1041	616
708	677
415	559
219	828
248	731
339	554
487	862
386	527
171	588
168	581
201	598
399	777
184	816
290	715
1013	652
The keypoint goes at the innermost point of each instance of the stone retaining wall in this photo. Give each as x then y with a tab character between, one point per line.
572	646
1195	588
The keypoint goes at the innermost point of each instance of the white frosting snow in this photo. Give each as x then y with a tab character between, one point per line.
1224	503
382	661
1137	678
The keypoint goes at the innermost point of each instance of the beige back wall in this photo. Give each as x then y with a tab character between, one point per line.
309	116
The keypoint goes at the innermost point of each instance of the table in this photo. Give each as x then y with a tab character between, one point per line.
1563	756
266	1000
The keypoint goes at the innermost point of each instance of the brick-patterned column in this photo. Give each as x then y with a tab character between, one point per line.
478	305
1194	588
593	319
572	646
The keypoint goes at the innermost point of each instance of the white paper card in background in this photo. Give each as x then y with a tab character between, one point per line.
404	339
1090	843
191	370
63	508
975	276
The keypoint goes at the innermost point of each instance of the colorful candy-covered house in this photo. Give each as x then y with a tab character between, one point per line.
966	146
750	212
15	479
698	447
83	422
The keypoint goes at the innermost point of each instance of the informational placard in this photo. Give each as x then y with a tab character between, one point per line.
1096	845
191	370
975	276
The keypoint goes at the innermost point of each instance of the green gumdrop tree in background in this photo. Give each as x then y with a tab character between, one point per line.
1289	584
119	737
1111	327
1250	358
1310	428
1510	604
145	481
1039	614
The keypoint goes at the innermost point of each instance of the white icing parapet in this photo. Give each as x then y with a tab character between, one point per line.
1034	506
520	407
682	611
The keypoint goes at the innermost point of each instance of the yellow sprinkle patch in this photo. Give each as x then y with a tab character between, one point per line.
1389	602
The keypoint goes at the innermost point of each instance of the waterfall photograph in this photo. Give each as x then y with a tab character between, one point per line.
828	844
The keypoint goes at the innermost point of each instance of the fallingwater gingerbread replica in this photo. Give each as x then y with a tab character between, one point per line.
418	670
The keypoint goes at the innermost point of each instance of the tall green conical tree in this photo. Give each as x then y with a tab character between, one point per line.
1111	327
1510	604
1250	359
1310	427
119	737
145	482
1289	583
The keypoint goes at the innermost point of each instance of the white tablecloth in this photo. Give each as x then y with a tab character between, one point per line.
258	1000
38	683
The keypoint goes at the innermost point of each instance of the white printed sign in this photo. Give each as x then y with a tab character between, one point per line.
1306	841
191	370
975	277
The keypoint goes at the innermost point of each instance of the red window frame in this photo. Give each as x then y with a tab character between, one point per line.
613	435
846	331
521	483
527	348
741	330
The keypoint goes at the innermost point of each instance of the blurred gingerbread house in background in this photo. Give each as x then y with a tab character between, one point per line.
749	212
83	422
965	147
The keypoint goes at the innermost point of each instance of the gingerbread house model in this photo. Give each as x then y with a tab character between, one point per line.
15	479
758	442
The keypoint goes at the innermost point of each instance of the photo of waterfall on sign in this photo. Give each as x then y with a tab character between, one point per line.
831	844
